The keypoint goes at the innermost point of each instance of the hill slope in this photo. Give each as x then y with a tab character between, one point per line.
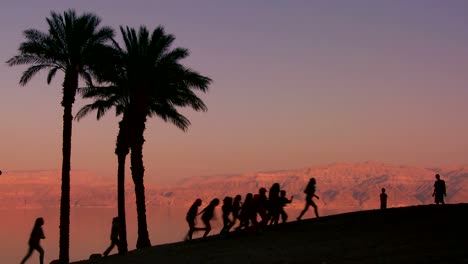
417	234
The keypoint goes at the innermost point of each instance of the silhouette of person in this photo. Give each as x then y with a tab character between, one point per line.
383	199
439	190
191	218
260	201
208	214
283	201
226	210
247	213
114	237
36	235
310	193
236	207
274	204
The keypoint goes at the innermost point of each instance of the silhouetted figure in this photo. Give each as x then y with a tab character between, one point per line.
283	201
261	206
248	214
36	235
191	218
226	210
114	237
208	214
236	208
274	206
310	193
439	190
383	199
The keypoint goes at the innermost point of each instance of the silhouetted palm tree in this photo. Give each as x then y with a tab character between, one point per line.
146	79
70	45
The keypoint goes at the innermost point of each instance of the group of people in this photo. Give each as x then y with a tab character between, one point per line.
270	209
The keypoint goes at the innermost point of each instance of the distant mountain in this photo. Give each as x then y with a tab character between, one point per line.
342	187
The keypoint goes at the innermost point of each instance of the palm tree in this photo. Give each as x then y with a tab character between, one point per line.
148	81
73	43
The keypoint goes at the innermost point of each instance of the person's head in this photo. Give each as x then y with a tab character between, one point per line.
227	200
248	197
238	198
312	180
197	202
214	202
383	190
115	220
262	191
283	193
275	187
39	222
437	176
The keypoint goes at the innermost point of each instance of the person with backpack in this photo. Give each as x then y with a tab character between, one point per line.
439	190
310	193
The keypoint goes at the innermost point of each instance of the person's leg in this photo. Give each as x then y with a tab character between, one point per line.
30	251
41	254
284	216
315	208
306	207
109	249
207	227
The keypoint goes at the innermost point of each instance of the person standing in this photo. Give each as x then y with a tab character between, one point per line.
439	190
383	199
36	235
310	193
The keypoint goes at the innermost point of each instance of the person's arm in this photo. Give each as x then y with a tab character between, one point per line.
316	196
42	234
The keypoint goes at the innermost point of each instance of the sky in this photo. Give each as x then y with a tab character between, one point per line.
295	84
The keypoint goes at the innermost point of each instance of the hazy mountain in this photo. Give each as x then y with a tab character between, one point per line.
342	187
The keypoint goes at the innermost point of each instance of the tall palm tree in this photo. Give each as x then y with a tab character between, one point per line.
149	81
71	44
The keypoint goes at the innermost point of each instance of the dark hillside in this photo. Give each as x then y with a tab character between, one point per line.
418	234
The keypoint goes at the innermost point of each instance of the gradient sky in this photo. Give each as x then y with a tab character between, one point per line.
296	83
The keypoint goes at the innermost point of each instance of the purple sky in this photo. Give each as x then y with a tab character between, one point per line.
296	83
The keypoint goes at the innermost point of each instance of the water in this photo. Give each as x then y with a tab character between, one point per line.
89	230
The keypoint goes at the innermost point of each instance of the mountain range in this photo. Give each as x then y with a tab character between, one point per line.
342	187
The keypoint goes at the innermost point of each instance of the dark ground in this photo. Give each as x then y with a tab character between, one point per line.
417	234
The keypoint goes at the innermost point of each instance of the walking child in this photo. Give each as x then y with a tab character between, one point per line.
283	200
208	214
191	218
36	235
114	237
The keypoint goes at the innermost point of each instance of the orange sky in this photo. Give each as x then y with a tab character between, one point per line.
295	85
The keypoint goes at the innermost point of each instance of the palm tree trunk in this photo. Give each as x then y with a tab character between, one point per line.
138	171
69	90
122	150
